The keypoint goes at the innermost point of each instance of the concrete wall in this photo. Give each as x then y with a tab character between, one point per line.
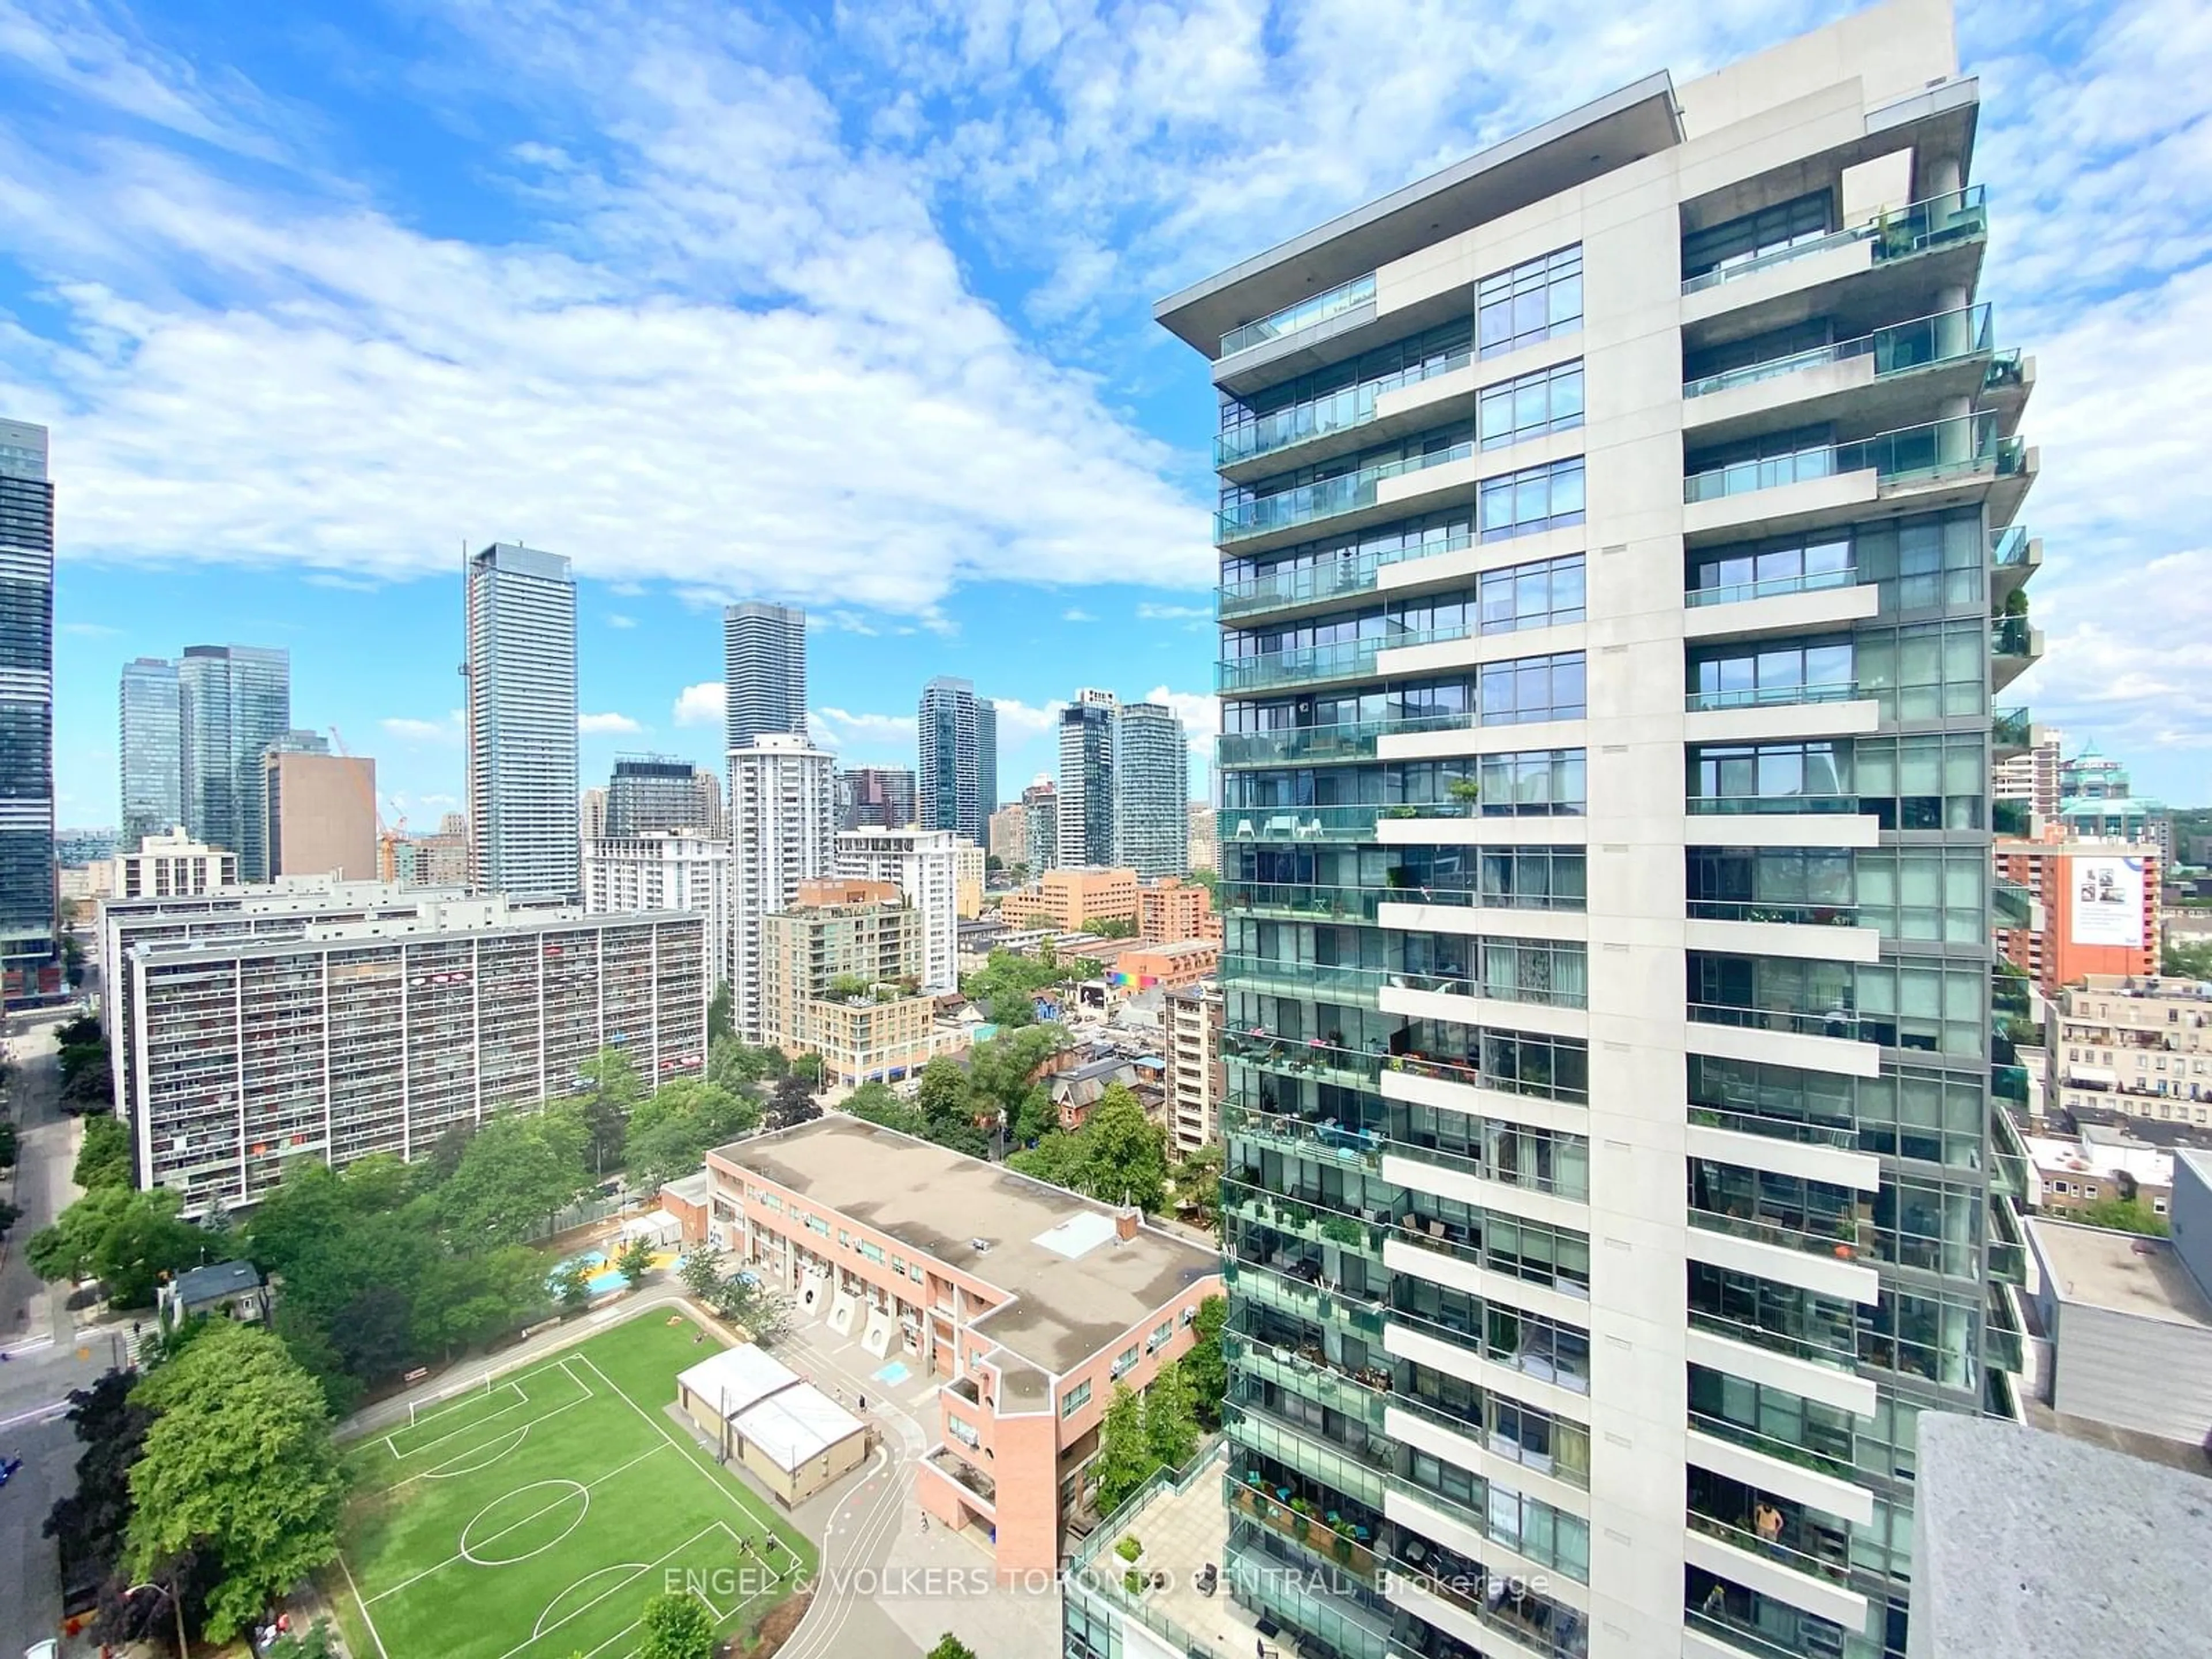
2191	1216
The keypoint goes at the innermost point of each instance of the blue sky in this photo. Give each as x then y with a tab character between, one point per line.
847	306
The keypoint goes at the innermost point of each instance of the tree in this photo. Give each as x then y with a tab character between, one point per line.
808	1066
1171	1417
1209	880
516	1173
314	1645
1198	1182
573	1284
1204	1366
635	1260
792	1103
90	1524
676	1626
1057	1158
239	1467
126	1239
107	1158
2186	961
722	1015
699	1272
1124	1159
765	1314
874	1102
608	1091
736	1065
1011	1009
1125	1458
670	1134
949	1646
2125	1215
1113	927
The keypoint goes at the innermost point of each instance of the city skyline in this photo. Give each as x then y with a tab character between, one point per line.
1095	508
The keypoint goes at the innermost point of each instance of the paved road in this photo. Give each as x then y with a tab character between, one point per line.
44	1158
49	1450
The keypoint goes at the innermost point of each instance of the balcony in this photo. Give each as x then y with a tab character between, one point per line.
1769	911
1319	584
1297	824
1351	417
2012	733
1320	745
1913	455
1306	314
947	1462
1943	337
1299	1300
1940	221
1321	1528
1307	664
1770	696
2016	647
1838	1023
2014	556
2011	905
1327	498
1729	1512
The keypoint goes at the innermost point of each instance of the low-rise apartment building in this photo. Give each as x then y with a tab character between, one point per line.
1073	897
1169	967
2066	909
2067	1176
379	1035
840	977
1172	909
1197	1081
2138	1048
1027	1303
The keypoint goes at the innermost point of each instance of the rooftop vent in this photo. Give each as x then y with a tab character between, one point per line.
981	1246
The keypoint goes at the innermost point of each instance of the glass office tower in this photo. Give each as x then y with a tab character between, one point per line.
233	701
524	827
150	744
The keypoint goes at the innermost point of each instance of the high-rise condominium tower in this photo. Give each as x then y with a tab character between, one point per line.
150	742
26	701
1084	813
763	671
875	798
1604	799
1151	790
523	834
783	829
234	702
651	794
956	738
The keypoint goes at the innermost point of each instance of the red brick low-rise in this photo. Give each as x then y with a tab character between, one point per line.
1027	1303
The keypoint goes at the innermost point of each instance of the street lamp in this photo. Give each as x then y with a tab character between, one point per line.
176	1601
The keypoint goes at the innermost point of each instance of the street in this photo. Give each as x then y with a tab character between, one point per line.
38	1334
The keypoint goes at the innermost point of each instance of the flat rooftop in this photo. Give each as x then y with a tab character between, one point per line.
2122	1272
1068	1298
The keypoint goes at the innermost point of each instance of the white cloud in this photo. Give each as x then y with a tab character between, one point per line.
1019	723
845	731
1152	611
90	630
615	619
703	704
1199	711
726	278
600	726
410	730
1073	614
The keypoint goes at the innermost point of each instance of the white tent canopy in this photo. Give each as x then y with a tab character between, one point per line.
784	1416
660	1229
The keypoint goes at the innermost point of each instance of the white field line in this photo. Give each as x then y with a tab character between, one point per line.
522	1399
360	1602
542	1508
584	1397
583	1607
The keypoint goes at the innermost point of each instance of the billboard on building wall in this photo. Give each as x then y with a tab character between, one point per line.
2108	901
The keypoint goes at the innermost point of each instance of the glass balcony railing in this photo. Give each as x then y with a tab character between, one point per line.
1343	411
1807	1235
1303	584
1837	1463
1912	454
1833	1022
1832	1564
1810	581
1298	824
1771	696
1940	222
1787	914
2007	371
1702	806
1319	745
1333	981
1293	1057
1324	498
2011	728
1944	336
1307	1139
1316	308
1299	1300
1302	664
1302	901
2008	547
2011	636
2011	905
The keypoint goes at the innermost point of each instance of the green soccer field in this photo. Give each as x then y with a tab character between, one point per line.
533	1518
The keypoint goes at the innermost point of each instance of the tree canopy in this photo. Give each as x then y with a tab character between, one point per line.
107	1156
517	1171
2125	1215
676	1626
1204	1366
238	1467
1118	1156
672	1131
128	1240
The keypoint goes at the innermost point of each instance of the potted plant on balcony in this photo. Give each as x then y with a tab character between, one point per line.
1301	1517
1465	791
1342	1547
